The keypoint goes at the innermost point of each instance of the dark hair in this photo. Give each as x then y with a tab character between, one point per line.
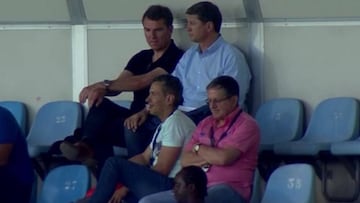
171	85
207	11
158	12
195	175
227	83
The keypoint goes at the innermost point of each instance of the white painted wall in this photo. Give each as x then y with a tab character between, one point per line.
38	62
307	60
311	61
35	66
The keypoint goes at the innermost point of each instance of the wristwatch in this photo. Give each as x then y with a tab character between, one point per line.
107	84
196	148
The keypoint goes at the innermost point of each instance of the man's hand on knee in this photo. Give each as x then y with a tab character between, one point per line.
134	121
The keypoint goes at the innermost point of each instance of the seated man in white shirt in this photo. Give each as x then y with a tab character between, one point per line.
152	170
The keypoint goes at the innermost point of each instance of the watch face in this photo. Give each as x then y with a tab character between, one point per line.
107	83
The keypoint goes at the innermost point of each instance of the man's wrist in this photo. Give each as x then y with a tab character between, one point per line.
107	84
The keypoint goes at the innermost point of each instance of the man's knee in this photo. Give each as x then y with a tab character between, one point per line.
161	197
223	193
145	200
113	163
136	142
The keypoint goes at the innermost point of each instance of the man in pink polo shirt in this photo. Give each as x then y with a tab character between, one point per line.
224	144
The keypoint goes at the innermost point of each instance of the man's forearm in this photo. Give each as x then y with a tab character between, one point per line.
130	83
112	93
127	81
191	158
217	156
139	159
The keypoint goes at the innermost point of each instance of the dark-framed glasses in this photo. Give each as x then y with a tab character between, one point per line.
217	101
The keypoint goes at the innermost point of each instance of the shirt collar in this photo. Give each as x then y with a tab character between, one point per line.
172	43
228	118
214	46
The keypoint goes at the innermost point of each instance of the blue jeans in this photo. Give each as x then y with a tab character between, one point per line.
216	194
140	180
137	142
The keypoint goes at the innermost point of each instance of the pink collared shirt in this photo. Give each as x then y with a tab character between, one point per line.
243	135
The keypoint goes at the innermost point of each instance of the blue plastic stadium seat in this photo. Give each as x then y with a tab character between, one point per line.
54	121
347	148
65	184
18	110
348	153
256	192
293	183
280	120
334	120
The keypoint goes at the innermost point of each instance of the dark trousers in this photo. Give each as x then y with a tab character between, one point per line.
103	128
140	180
138	141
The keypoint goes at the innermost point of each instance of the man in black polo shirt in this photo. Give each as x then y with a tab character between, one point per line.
103	126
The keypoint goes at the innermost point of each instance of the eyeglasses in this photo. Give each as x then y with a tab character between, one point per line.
217	101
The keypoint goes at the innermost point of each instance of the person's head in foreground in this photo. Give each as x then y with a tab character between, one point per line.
190	185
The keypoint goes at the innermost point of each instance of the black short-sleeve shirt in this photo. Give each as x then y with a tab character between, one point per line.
141	63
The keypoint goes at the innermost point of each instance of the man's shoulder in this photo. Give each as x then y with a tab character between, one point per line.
144	52
193	48
141	55
247	117
247	121
206	121
179	118
173	52
175	48
231	49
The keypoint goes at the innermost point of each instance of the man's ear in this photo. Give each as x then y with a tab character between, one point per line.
170	99
171	28
210	26
235	99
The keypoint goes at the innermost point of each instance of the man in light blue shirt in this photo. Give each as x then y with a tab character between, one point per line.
199	66
211	57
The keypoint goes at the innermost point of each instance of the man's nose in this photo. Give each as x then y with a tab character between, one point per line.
152	34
